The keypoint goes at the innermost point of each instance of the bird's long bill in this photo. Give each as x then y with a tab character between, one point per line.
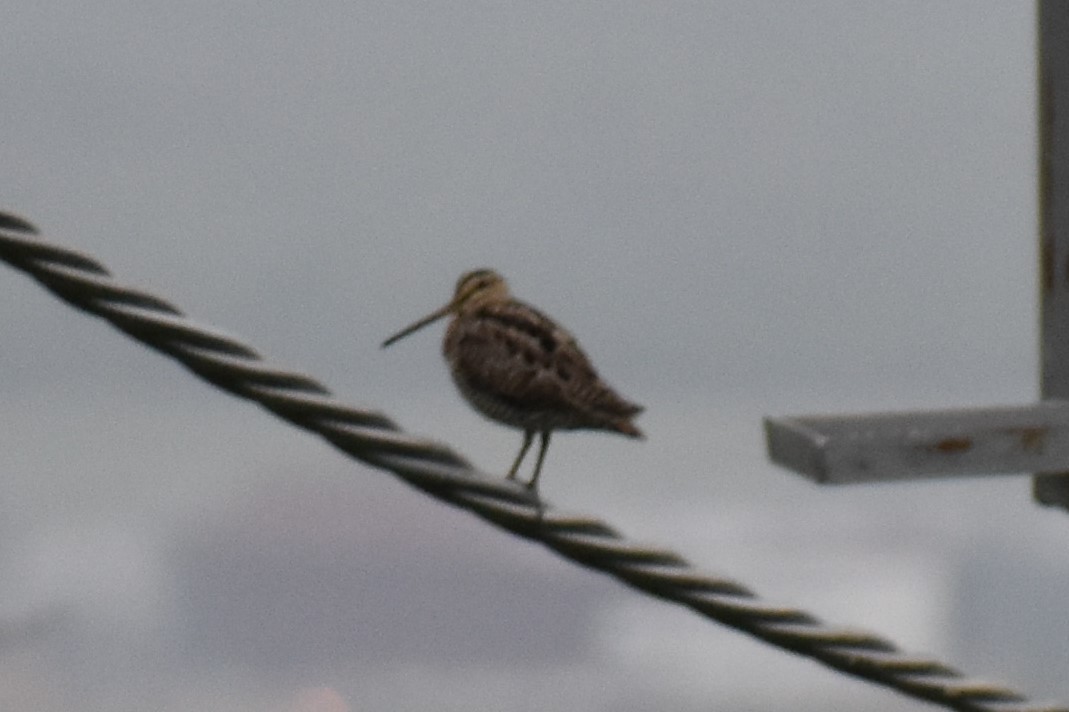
433	316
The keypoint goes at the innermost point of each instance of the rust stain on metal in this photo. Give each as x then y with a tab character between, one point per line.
1046	261
952	446
1031	439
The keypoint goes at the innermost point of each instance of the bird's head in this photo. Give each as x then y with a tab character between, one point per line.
475	288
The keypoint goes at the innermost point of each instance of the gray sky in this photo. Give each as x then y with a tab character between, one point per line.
740	208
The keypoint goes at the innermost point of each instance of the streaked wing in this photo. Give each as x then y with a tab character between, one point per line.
515	354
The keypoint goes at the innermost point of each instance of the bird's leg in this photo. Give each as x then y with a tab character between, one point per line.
528	436
533	484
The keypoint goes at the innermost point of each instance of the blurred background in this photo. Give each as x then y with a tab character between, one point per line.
741	208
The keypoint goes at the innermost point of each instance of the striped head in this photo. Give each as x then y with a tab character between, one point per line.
480	286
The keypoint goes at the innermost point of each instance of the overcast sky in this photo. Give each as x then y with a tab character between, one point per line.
740	208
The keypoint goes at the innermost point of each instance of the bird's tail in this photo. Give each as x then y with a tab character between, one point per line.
626	427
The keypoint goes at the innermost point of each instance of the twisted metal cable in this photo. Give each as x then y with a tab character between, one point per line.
373	438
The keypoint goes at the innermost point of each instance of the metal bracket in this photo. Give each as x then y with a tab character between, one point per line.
1013	439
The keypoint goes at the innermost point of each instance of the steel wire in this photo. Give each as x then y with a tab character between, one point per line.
375	439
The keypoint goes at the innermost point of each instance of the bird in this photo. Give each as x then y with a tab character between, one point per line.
516	366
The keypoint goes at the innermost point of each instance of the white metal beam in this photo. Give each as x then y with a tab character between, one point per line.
839	449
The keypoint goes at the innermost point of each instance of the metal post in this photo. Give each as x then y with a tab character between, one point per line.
1053	78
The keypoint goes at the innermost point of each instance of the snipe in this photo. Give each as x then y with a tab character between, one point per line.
516	366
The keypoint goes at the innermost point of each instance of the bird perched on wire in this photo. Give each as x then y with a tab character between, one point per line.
514	365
